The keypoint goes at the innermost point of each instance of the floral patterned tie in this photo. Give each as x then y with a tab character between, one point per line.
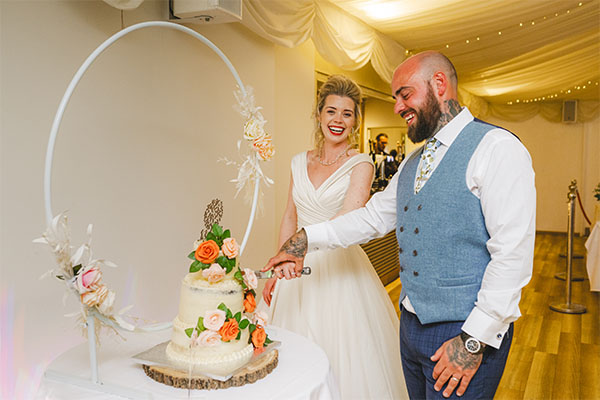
426	163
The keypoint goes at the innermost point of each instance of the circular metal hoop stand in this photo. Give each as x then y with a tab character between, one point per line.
95	383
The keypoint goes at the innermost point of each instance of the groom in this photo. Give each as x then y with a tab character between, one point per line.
463	207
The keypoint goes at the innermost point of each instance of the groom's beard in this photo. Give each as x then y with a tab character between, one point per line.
428	119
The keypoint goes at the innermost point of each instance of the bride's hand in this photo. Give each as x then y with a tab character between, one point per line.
268	290
289	261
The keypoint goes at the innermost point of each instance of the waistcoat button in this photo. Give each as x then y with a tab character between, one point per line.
401	268
415	273
400	250
416	230
401	229
420	207
414	253
405	208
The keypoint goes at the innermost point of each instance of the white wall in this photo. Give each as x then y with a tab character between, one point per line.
560	153
136	156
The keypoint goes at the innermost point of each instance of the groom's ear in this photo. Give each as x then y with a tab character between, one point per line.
439	82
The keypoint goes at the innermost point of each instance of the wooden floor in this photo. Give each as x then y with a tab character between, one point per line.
553	355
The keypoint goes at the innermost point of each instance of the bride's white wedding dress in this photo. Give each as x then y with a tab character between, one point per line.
342	306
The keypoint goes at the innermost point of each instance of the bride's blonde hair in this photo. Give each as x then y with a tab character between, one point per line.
342	86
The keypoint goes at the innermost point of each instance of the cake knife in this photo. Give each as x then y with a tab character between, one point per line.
269	274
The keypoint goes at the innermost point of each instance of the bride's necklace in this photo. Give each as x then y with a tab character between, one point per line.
325	163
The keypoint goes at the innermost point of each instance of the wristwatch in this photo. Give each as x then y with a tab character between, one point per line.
472	345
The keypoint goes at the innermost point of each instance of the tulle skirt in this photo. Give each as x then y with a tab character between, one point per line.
344	308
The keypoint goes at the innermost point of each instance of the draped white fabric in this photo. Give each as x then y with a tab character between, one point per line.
526	62
340	38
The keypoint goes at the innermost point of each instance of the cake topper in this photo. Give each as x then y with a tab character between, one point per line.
212	215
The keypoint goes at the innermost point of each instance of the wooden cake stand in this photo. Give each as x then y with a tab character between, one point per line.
253	371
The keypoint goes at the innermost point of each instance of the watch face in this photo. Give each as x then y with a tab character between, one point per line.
472	345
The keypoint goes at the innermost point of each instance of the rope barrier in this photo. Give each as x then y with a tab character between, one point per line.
581	207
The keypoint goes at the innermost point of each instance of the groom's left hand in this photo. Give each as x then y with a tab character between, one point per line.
455	365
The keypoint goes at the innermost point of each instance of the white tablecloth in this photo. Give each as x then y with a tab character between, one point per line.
592	246
303	372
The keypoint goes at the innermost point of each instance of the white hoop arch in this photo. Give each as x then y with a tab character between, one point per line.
81	71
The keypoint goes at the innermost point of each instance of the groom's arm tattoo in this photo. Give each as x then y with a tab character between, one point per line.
296	245
458	355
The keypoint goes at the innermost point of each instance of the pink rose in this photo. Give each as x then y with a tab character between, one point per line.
213	320
250	278
260	318
88	279
208	338
94	297
214	273
230	248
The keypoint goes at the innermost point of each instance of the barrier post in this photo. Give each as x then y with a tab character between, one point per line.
570	228
568	307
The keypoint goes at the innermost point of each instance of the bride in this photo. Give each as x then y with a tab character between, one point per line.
342	306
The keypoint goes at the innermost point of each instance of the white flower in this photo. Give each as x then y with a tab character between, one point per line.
261	318
214	273
214	320
250	278
105	307
208	338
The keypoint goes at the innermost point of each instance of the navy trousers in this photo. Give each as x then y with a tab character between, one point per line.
418	342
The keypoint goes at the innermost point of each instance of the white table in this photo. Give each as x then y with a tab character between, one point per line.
592	246
303	372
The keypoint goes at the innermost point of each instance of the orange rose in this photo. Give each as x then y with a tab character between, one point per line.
258	337
229	330
249	303
207	252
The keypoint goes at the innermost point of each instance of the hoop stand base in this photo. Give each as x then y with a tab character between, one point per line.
568	308
101	387
563	277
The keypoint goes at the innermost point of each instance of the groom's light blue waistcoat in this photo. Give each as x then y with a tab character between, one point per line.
442	235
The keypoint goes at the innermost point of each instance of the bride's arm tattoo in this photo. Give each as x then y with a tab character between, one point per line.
296	245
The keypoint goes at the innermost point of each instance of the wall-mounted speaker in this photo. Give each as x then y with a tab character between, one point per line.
569	111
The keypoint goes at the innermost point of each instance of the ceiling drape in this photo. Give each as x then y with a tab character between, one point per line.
349	43
340	38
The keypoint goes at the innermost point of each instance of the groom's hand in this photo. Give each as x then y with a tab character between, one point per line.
455	365
289	261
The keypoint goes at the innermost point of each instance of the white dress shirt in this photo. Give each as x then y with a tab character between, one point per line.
500	174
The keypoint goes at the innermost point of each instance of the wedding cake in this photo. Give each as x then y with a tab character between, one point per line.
216	331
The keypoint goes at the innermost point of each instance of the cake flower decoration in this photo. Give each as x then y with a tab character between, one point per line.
218	249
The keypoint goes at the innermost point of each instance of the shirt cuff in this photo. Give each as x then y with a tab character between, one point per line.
484	328
316	236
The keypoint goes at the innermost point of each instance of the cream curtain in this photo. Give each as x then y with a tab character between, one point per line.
350	43
340	38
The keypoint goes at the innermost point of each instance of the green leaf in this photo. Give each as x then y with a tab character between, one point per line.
200	325
189	332
228	313
251	328
62	278
217	230
223	307
238	335
226	234
192	255
211	236
238	316
76	269
268	341
196	266
244	324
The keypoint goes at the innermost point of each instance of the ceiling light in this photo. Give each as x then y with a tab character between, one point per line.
382	11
